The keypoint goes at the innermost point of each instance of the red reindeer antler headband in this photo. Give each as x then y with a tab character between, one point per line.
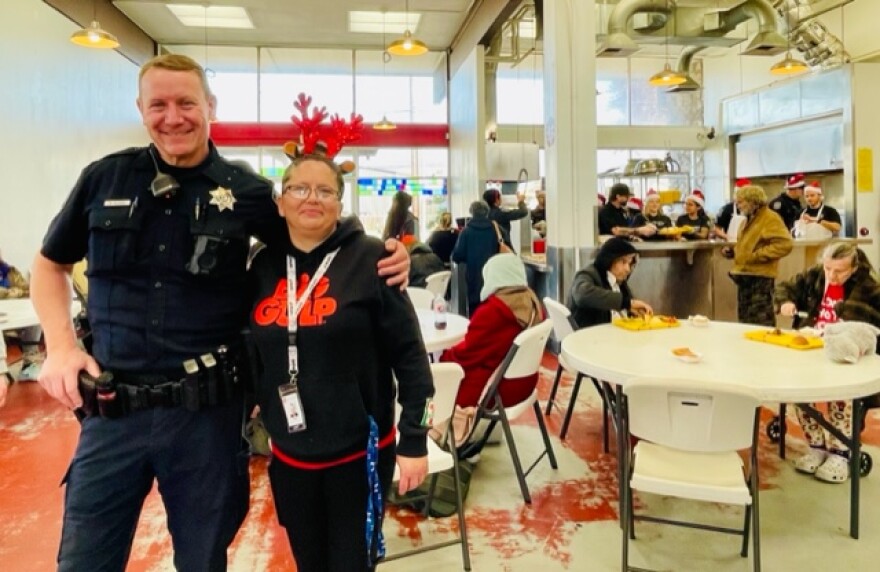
318	138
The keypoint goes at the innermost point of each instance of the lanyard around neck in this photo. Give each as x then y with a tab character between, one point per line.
295	305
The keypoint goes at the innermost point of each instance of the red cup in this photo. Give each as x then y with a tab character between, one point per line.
539	246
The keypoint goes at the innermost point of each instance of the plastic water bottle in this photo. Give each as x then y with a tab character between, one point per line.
439	306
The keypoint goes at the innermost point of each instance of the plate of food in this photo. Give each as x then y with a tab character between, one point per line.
675	230
794	340
687	355
646	322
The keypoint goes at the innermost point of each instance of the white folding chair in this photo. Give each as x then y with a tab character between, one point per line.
691	432
438	282
523	358
421	299
563	325
447	378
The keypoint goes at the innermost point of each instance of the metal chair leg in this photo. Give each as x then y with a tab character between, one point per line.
462	524
571	404
514	456
554	389
548	447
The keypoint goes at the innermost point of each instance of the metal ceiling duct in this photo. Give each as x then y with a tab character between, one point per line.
809	36
683	67
634	22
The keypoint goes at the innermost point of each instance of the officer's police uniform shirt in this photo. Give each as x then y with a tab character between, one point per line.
152	304
788	208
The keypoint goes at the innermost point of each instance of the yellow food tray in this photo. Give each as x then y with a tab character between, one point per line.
785	339
655	323
675	230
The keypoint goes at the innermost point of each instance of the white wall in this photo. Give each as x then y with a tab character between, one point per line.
61	107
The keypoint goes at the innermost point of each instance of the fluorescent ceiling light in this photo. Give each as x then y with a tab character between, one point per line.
394	23
197	16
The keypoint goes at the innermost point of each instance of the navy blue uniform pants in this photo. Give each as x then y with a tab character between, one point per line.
198	461
325	511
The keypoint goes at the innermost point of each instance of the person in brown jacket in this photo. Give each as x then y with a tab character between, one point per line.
13	284
762	241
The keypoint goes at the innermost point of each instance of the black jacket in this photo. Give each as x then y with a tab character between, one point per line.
591	298
503	218
476	244
356	335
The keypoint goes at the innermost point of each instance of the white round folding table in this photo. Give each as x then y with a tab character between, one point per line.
777	374
437	340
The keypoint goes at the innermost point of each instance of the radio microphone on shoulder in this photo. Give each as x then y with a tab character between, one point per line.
163	185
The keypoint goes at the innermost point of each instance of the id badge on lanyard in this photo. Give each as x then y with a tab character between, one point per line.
289	392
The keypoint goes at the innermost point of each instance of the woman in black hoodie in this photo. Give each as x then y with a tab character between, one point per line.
326	386
601	288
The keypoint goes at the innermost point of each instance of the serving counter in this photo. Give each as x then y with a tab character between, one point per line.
683	278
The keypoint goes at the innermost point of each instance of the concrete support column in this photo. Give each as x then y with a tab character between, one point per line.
570	136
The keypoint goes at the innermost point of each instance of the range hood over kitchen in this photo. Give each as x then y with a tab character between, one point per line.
700	24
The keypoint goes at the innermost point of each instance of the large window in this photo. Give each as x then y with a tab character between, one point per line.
261	84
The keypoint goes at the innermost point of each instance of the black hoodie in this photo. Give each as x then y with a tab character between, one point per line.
354	332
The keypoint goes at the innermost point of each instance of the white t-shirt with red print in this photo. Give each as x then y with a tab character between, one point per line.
827	315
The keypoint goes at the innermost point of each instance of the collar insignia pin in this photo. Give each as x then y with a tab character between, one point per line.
222	198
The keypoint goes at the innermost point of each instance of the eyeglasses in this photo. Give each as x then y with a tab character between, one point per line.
323	194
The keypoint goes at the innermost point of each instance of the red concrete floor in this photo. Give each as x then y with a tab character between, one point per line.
37	439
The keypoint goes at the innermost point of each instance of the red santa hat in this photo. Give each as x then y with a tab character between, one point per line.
652	193
634	203
814	186
796	181
697	196
602	199
742	183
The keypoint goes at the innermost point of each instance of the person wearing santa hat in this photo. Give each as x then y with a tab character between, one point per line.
788	204
726	226
817	212
651	220
695	217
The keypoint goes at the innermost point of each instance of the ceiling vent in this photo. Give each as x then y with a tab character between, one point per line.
635	22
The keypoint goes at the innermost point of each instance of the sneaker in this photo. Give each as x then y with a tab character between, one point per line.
811	461
835	469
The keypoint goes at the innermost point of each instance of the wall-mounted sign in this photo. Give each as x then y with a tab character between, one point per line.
379	186
865	170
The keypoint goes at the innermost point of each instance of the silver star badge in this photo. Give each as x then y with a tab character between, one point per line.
222	198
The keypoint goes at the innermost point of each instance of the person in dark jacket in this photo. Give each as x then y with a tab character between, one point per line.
423	261
476	244
600	289
327	376
842	287
443	238
502	217
788	204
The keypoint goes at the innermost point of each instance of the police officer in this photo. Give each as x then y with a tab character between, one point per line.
788	204
166	232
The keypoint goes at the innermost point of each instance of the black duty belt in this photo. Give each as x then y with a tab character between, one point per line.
209	380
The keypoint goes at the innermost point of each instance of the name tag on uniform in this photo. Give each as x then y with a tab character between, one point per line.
117	203
293	408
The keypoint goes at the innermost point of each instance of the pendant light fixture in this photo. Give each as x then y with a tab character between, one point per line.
384	124
94	36
667	77
789	65
408	45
